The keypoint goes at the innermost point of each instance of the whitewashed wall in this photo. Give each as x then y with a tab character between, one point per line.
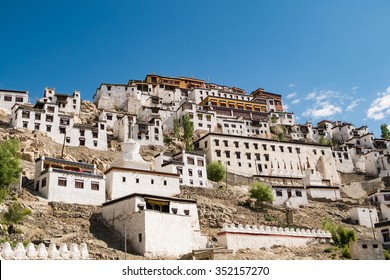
253	237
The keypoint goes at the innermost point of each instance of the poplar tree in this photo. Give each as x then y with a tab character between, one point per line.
188	127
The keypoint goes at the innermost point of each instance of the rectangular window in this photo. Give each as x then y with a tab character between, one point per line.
216	142
7	98
218	152
246	145
238	155
200	173
266	157
26	114
79	184
50	109
95	186
67	139
152	181
279	193
25	124
137	180
189	172
48	128
18	99
109	117
281	148
257	156
298	193
165	182
273	148
102	126
289	149
38	116
386	197
95	134
190	160
256	146
62	130
49	118
200	162
236	144
226	143
123	179
36	126
62	181
95	143
82	132
82	142
227	154
248	156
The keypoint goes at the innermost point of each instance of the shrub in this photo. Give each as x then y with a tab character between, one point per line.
261	192
341	236
346	253
387	254
14	215
215	171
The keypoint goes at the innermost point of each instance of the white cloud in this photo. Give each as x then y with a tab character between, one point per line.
380	107
311	95
295	101
291	85
285	107
355	88
324	109
291	95
353	104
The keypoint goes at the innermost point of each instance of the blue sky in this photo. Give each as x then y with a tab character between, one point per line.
328	59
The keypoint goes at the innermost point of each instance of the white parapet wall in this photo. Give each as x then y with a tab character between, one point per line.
40	252
256	237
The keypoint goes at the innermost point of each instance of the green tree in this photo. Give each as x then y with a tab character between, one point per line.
188	127
14	215
176	128
385	133
261	192
167	140
9	162
324	141
341	236
215	171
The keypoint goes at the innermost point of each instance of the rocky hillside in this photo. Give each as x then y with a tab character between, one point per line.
223	203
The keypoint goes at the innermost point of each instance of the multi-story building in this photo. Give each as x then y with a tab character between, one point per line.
66	103
69	182
8	98
191	167
131	174
145	132
45	117
249	156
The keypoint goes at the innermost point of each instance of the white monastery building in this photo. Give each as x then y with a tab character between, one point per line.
69	182
156	225
8	98
131	174
191	167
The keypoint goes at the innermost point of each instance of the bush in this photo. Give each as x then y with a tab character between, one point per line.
328	250
346	253
261	192
341	236
387	254
215	171
167	140
14	215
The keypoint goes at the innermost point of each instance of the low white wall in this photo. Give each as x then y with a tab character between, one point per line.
253	237
40	252
329	193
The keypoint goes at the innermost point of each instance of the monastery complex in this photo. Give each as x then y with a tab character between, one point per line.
249	133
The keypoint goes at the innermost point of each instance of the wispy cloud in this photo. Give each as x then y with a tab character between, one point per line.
326	103
285	107
380	107
295	101
355	88
353	104
291	85
291	95
324	109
